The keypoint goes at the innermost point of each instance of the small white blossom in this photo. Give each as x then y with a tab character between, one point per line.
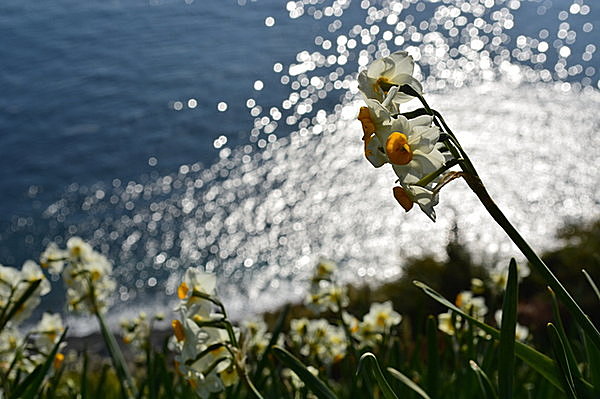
383	73
48	332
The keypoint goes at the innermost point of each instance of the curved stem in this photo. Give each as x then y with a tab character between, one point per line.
583	320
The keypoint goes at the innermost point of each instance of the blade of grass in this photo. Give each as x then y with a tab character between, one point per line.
117	358
433	357
484	381
593	364
84	376
592	283
538	361
369	361
506	357
563	363
313	383
408	382
258	374
563	336
101	381
538	264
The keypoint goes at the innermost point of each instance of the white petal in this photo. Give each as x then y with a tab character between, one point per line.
365	85
403	63
422	120
376	157
401	124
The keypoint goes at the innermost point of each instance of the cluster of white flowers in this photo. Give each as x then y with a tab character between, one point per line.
320	339
86	273
205	354
136	332
375	324
475	306
324	294
20	294
256	337
15	283
409	145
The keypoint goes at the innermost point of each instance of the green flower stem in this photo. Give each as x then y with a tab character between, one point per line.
475	183
117	357
479	189
114	350
347	331
430	177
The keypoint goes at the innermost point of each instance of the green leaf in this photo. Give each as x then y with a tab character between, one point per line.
433	357
117	358
484	381
84	376
592	283
563	363
563	336
262	362
593	364
538	361
369	361
408	382
313	383
506	358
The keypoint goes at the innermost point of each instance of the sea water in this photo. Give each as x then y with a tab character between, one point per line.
222	134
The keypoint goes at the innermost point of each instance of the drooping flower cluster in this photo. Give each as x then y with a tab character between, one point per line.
204	341
324	294
86	273
410	145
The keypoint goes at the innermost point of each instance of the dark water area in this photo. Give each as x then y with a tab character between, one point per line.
88	88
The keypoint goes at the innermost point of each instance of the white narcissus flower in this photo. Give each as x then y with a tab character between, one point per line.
408	144
384	73
30	273
446	324
53	258
48	331
9	279
79	250
473	305
199	282
382	317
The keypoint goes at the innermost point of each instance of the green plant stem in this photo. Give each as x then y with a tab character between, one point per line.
117	357
584	321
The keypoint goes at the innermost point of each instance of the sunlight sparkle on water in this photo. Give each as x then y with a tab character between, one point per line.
262	215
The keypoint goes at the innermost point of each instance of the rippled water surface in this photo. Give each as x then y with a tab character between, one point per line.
223	134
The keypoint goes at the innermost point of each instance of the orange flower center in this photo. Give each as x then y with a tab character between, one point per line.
397	149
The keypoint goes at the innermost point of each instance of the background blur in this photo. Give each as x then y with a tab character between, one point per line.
222	134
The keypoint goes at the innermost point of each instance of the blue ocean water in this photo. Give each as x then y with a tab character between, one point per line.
147	126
